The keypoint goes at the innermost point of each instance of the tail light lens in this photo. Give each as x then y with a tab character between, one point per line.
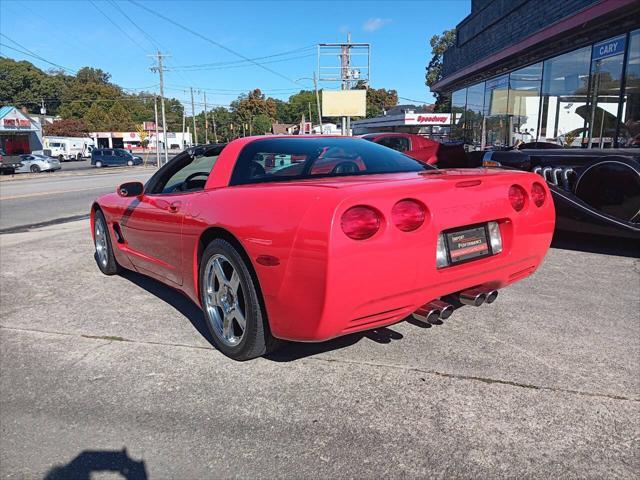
517	197
360	222
538	194
408	215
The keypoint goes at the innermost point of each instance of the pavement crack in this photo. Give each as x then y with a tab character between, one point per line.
456	376
486	380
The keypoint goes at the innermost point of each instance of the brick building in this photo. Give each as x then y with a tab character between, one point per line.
564	72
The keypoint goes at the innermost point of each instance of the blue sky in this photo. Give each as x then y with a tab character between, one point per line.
76	33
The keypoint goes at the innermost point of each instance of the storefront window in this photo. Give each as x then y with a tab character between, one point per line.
564	98
458	101
474	117
524	104
496	96
630	130
606	77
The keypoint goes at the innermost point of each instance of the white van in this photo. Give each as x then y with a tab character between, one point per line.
68	148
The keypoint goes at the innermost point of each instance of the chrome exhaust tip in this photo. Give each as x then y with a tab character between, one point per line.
473	297
446	309
491	296
427	314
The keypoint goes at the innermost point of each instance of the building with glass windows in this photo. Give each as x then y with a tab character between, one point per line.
565	72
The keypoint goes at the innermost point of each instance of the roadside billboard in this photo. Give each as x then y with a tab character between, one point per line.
344	103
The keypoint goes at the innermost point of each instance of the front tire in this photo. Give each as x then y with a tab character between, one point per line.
231	304
34	169
98	164
130	163
104	249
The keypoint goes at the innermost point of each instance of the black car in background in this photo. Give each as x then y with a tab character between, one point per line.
105	157
595	191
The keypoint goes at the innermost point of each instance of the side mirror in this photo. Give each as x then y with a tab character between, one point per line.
130	189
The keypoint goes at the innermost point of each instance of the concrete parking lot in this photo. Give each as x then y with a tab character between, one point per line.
118	373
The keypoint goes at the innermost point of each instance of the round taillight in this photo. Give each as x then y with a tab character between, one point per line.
360	222
408	215
517	197
538	194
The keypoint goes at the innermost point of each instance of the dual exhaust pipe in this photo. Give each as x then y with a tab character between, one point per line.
440	310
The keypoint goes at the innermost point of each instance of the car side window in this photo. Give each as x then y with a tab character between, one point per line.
401	144
185	173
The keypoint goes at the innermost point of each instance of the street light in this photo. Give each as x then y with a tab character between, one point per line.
315	86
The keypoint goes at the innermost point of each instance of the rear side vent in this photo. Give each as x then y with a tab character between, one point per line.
118	232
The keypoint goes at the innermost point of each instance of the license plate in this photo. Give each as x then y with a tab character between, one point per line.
467	243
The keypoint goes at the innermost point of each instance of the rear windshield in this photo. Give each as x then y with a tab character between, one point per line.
279	159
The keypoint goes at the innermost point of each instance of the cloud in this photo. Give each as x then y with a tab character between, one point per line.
374	24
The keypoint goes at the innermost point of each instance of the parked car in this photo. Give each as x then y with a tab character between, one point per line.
293	251
444	155
104	157
36	163
9	163
595	191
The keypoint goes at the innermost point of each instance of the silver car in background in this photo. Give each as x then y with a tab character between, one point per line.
36	163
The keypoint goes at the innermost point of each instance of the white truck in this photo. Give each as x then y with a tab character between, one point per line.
68	148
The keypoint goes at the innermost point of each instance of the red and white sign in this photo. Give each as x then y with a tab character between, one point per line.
15	122
428	119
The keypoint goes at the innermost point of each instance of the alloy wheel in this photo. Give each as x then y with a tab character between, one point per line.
224	300
101	243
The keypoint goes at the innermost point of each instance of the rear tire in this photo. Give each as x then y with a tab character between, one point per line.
104	256
230	296
98	164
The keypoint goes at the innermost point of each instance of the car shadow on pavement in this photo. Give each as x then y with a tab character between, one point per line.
173	297
89	462
622	247
289	351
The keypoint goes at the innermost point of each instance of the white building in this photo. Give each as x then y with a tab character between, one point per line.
131	140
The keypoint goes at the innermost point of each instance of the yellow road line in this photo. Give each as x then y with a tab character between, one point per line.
55	192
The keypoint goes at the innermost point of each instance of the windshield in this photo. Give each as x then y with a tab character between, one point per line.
278	159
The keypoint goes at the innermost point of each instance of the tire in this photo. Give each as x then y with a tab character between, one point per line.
61	158
226	302
34	169
98	164
103	248
130	163
79	157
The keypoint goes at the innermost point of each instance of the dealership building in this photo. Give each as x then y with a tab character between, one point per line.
407	119
545	71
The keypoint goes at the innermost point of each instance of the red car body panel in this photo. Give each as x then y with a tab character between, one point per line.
326	284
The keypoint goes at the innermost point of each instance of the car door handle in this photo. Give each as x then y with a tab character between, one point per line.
174	207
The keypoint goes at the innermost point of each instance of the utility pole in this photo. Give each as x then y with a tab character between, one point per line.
160	71
315	86
206	120
215	131
345	62
155	111
184	122
193	115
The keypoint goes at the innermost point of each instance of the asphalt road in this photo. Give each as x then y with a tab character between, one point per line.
33	200
118	373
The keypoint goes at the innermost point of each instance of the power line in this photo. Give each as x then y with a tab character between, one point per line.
153	42
26	51
242	64
418	101
213	42
133	40
231	62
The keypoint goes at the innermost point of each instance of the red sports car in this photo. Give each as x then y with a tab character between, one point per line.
310	238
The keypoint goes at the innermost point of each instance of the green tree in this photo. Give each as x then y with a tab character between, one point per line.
261	124
119	119
439	45
298	105
96	119
92	75
252	104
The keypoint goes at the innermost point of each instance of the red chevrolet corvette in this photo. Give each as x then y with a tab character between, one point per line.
310	238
